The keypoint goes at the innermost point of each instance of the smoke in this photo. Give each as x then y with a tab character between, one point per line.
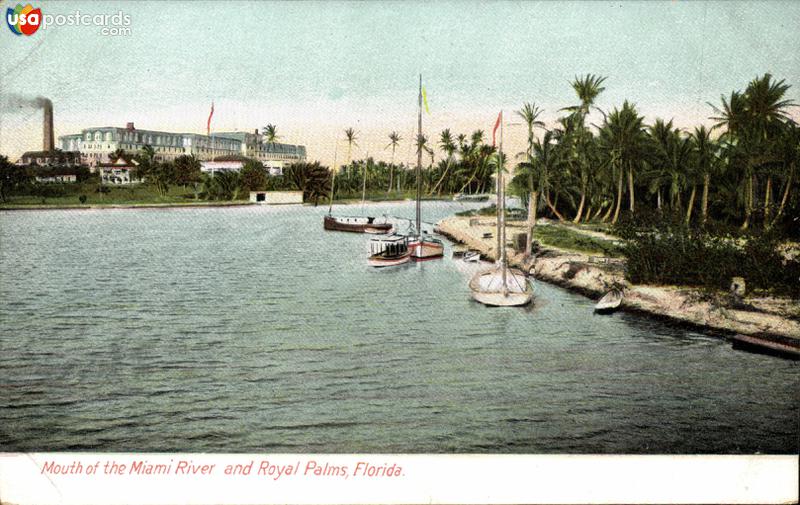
14	101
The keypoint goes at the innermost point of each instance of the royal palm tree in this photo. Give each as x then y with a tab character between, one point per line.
706	162
753	121
270	133
622	138
530	113
587	88
351	136
791	154
448	145
394	141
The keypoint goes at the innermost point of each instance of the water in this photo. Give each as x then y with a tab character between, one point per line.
253	330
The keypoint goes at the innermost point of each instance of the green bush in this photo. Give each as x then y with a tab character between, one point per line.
663	250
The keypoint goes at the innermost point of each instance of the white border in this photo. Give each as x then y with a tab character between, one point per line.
501	479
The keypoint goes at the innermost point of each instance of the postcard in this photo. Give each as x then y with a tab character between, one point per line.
406	252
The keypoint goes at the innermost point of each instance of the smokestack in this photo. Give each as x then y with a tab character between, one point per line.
49	142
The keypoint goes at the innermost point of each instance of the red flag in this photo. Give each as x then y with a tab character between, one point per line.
496	126
208	124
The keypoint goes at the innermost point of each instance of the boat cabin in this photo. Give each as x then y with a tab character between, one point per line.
390	245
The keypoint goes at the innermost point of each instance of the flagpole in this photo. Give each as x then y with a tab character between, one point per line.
419	160
502	203
333	176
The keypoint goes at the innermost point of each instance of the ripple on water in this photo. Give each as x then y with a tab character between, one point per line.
254	330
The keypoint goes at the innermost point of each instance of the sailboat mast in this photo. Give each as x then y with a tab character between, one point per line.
502	209
364	184
419	160
333	176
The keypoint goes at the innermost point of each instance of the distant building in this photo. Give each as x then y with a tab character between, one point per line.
223	164
50	158
120	172
276	197
95	144
56	174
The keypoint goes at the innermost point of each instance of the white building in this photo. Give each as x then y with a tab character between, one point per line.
95	145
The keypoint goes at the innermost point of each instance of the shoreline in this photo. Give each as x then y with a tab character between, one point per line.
589	275
201	204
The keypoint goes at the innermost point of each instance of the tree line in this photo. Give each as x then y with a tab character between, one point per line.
741	170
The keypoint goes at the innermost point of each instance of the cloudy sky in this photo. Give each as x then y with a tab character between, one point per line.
315	69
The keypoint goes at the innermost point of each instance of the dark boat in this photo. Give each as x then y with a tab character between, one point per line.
355	224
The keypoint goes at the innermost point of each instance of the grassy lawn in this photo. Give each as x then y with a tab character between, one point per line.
564	238
68	195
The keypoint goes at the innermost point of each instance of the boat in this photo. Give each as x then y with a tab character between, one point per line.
354	224
472	256
460	250
462	197
388	250
501	286
422	246
610	302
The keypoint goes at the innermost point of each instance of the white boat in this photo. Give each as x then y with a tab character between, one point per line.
388	250
501	286
497	288
423	246
610	302
472	256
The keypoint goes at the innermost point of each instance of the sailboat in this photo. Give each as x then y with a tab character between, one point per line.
423	247
355	224
501	286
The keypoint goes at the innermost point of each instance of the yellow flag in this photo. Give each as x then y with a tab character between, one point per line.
425	100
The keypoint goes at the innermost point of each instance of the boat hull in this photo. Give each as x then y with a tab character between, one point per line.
355	225
487	288
498	299
425	250
380	261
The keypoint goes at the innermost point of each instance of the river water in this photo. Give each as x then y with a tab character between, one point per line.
251	329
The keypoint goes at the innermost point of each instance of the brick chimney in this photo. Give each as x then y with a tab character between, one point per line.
48	143
129	126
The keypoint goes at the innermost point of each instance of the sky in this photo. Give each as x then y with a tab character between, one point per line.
316	68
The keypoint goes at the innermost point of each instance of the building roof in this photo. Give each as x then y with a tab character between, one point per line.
232	157
45	154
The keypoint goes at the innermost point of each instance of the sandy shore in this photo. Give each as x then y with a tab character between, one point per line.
591	276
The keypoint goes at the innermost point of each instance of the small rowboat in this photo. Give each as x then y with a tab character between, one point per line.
388	251
472	256
609	303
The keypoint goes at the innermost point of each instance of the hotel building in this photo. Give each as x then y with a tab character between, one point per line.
95	145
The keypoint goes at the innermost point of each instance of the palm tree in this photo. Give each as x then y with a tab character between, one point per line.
791	154
530	113
587	88
270	133
622	139
394	141
447	145
705	151
351	137
117	154
753	121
